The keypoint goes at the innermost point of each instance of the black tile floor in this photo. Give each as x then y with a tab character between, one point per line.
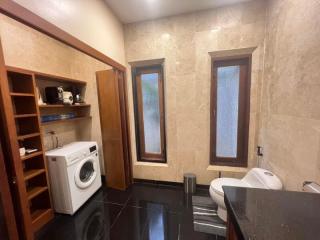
143	212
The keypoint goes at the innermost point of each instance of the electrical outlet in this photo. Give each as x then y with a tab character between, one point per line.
259	151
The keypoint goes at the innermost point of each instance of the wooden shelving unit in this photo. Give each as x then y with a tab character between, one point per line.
30	170
81	111
23	116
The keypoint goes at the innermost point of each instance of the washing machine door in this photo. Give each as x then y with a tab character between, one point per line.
86	173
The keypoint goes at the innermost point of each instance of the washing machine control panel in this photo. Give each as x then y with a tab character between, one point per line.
81	154
93	149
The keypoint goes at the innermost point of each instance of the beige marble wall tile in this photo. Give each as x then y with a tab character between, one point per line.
184	42
290	115
29	49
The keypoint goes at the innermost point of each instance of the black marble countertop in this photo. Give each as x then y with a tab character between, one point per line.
259	214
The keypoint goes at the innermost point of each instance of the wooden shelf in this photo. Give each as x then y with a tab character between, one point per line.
44	75
31	155
38	213
66	120
40	217
25	115
63	106
55	78
32	192
32	173
22	137
21	94
11	69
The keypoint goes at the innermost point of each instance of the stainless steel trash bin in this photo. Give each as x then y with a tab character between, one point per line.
190	182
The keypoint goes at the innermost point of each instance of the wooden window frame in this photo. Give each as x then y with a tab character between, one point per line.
244	111
142	155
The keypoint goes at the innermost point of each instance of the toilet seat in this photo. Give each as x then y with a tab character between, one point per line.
216	185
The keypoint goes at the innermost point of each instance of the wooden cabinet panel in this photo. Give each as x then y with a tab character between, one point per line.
125	126
115	173
109	107
8	227
231	233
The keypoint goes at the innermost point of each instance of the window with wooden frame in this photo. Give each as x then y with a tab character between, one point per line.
230	112
148	89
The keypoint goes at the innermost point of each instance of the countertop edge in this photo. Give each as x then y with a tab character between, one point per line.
232	215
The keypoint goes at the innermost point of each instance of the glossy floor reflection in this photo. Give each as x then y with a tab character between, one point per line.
144	211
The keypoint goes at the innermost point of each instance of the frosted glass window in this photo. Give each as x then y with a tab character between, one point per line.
151	112
227	111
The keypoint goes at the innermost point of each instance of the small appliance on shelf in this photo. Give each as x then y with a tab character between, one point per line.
54	95
77	96
57	95
67	98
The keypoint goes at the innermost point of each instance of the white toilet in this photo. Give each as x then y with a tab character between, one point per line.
255	178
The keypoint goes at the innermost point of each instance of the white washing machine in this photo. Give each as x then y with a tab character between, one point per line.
74	173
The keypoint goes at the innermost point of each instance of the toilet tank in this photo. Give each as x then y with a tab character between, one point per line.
261	178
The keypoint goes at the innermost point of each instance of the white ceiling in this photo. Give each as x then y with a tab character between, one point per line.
130	11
